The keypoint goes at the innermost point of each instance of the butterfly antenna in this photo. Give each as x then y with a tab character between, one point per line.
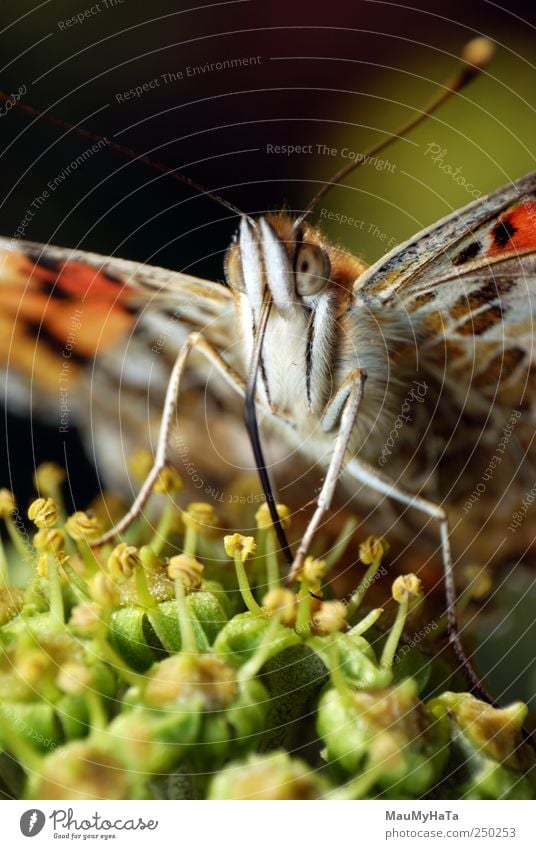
122	150
476	56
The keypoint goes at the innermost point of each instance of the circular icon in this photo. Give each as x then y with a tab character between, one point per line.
32	822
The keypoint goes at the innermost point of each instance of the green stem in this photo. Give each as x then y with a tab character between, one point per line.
360	786
145	597
303	617
190	541
78	583
255	663
4	568
55	595
151	563
341	543
365	623
163	528
97	713
186	624
20	544
272	565
29	759
57	495
337	676
359	593
243	585
90	561
391	645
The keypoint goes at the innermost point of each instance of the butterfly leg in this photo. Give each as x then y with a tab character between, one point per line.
195	341
344	406
370	476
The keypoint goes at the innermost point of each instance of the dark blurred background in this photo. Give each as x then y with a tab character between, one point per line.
338	74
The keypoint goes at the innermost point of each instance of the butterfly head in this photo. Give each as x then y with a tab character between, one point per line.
292	265
292	289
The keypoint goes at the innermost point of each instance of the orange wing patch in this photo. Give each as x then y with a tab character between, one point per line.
515	231
50	314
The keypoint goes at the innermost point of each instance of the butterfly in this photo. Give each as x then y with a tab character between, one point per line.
325	352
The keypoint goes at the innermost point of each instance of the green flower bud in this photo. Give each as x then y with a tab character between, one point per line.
498	764
389	730
182	678
35	722
273	776
240	638
74	678
132	638
356	660
81	770
154	741
293	679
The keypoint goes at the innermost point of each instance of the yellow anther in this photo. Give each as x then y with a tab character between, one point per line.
312	573
264	518
281	601
238	544
200	516
43	512
169	481
140	463
187	569
48	478
373	550
405	587
123	561
330	617
50	540
80	526
104	591
7	503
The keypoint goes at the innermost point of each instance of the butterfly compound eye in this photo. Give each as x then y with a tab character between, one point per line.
233	269
312	269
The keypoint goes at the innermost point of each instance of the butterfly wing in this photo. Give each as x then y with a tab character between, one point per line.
89	340
468	285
